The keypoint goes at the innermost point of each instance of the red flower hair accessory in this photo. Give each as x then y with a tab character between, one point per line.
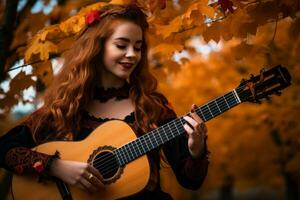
92	16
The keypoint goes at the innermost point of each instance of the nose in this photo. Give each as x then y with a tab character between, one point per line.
131	53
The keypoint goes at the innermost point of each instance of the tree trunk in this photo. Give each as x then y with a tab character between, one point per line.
291	187
6	32
226	190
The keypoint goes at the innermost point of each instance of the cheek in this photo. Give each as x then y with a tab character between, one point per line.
112	55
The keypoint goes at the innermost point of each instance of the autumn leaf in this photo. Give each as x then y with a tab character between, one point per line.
241	50
20	82
73	25
166	49
166	30
42	49
157	4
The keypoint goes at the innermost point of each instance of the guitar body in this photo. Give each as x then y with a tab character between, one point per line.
130	180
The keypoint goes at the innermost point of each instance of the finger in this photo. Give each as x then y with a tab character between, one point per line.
188	129
95	181
95	172
191	121
196	117
87	185
203	128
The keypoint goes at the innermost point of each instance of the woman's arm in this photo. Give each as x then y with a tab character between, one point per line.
16	154
190	171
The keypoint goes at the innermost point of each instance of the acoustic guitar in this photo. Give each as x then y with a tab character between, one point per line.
121	160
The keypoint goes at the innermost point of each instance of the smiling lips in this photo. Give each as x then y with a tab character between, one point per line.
126	66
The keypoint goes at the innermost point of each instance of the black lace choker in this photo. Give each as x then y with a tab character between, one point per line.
104	95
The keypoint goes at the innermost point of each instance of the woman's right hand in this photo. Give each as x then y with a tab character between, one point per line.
77	173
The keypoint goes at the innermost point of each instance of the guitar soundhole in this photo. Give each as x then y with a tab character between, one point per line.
105	161
107	164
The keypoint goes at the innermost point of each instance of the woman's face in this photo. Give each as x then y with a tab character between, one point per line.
122	50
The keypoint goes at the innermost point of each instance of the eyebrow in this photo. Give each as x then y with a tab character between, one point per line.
127	40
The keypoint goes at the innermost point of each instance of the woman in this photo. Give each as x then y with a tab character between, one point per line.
105	76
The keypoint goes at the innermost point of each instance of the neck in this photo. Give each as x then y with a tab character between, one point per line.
109	80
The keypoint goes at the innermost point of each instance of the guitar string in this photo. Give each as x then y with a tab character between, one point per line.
110	158
113	168
110	169
105	172
101	158
204	113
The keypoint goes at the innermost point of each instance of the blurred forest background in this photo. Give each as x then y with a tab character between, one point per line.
198	50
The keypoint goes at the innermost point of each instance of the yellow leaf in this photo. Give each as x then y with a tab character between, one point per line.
166	49
73	25
120	2
43	49
207	10
167	30
51	33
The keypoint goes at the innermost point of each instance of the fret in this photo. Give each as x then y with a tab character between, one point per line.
206	112
236	96
181	121
176	127
158	133
201	114
221	103
165	133
209	110
168	124
226	102
180	126
230	99
148	140
217	106
213	108
135	149
142	145
125	154
145	143
153	139
131	153
128	150
138	147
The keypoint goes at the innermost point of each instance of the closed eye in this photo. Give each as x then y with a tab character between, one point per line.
124	47
121	46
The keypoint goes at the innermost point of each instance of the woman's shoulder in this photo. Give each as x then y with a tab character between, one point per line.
30	119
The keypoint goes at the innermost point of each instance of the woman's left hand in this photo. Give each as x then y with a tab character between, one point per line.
197	134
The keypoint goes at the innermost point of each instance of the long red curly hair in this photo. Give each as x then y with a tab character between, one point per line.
73	87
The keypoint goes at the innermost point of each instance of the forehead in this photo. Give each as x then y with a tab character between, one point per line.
129	30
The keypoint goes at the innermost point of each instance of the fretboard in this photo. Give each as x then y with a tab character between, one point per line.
174	128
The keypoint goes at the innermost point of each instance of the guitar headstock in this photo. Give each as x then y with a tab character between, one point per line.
263	86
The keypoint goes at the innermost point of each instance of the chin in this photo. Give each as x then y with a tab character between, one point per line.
123	76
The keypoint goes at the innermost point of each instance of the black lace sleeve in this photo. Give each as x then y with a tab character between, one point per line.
16	155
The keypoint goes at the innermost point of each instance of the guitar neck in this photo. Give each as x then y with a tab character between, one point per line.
174	128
